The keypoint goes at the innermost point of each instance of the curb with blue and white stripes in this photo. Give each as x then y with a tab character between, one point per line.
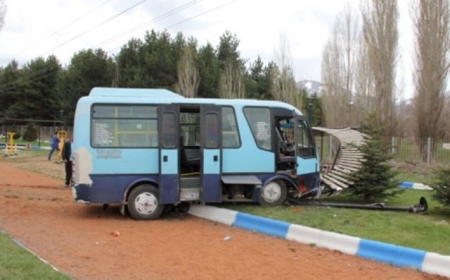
412	185
429	262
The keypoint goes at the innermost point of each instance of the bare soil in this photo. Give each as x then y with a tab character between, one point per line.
86	242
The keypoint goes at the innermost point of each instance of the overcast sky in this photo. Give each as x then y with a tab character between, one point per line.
63	27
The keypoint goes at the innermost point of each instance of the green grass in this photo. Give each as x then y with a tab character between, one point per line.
32	143
17	263
24	154
426	231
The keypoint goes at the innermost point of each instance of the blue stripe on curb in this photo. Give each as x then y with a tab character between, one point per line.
406	185
261	224
392	254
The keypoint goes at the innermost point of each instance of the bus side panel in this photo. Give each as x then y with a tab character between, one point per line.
169	188
247	160
308	165
308	172
211	183
112	188
125	161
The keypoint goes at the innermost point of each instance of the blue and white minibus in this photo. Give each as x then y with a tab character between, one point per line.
145	149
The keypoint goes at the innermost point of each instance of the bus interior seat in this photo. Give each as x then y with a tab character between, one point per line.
284	155
185	161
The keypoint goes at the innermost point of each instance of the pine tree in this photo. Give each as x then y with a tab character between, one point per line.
441	185
376	178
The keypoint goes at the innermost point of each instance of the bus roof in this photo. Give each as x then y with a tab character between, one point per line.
134	92
166	96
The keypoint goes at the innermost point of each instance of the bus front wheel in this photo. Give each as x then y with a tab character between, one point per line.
143	203
273	193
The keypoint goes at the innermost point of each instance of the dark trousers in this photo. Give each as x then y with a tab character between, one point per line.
68	166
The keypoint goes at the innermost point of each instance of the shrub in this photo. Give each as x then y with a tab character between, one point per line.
30	133
441	185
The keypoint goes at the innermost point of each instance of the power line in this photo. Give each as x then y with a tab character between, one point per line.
62	28
173	11
83	33
98	25
41	71
158	18
15	84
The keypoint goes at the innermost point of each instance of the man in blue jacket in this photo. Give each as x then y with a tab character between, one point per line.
54	145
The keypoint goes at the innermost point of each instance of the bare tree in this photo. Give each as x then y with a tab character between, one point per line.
331	61
364	101
380	20
432	27
188	75
445	128
231	83
338	70
2	13
283	84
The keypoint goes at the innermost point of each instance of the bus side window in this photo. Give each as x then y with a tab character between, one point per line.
258	119
230	132
168	130
305	145
212	130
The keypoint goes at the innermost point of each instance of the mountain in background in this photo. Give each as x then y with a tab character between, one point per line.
310	86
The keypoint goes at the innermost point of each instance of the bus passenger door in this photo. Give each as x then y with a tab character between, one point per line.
169	179
211	148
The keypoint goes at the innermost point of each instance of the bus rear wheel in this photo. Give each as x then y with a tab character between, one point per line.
273	193
143	203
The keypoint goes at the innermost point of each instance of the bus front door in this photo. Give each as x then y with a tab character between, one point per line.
169	141
211	148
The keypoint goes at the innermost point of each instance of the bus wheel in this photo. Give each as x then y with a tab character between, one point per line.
273	193
143	203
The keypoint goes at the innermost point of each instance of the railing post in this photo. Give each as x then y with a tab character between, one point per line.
393	145
331	145
428	150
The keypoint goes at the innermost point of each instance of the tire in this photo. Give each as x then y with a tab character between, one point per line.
143	203
273	193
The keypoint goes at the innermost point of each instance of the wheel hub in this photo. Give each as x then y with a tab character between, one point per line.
271	192
146	203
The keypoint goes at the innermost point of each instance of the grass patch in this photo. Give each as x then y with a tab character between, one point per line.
425	231
24	155
41	143
18	263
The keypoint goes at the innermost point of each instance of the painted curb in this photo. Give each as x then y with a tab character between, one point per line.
416	186
399	256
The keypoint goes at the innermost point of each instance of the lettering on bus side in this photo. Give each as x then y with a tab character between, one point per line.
108	154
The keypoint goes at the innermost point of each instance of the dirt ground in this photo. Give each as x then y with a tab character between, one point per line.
79	240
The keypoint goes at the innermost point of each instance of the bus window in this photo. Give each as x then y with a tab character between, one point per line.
230	132
125	126
212	130
190	129
169	136
303	139
260	125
